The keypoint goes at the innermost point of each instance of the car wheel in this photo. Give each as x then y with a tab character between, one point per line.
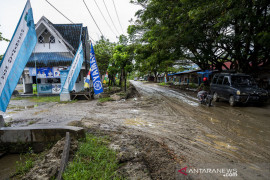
215	97
232	101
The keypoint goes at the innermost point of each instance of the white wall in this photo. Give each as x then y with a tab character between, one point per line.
51	47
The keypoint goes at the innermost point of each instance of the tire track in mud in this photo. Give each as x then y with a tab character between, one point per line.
211	142
206	116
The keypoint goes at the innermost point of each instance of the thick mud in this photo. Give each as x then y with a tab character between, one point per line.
164	130
48	167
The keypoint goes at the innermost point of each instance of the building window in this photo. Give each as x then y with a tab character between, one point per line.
45	31
52	39
41	39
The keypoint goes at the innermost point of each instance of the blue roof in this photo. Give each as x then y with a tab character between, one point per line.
52	58
71	33
205	72
183	72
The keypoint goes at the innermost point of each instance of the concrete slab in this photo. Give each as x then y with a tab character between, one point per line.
37	137
2	122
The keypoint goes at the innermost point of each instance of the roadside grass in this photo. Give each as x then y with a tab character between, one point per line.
105	99
23	167
27	161
162	84
93	160
39	99
45	99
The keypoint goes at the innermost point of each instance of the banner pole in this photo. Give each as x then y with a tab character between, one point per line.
36	71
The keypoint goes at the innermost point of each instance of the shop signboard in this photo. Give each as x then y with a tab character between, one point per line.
45	88
56	88
45	72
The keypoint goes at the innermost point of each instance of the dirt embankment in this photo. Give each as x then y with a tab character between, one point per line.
139	156
157	135
48	167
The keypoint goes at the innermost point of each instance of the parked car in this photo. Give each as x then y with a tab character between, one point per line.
236	87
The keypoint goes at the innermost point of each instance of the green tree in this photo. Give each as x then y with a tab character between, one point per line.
122	59
207	32
104	52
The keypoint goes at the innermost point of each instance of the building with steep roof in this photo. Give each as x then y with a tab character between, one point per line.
57	44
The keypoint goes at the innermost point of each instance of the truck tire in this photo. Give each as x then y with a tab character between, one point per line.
215	97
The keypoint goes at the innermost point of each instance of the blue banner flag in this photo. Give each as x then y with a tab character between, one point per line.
95	73
16	56
74	70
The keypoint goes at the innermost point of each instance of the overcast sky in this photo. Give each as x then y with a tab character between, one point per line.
75	10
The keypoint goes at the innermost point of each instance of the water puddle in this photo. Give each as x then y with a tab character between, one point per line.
42	111
211	136
136	111
220	145
184	98
225	145
12	112
8	165
213	120
5	116
30	107
137	122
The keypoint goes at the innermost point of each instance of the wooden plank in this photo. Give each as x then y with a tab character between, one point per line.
65	156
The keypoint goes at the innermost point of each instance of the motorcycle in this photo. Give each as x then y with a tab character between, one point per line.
205	98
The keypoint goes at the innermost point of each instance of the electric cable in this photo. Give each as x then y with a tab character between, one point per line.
93	18
65	16
110	16
105	19
59	12
117	16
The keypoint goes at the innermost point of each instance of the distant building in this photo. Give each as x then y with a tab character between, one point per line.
57	44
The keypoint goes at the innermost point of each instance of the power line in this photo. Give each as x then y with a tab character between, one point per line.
117	16
59	12
105	19
64	15
93	18
110	17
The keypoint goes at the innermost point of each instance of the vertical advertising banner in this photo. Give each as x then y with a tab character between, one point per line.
95	73
63	76
16	56
74	70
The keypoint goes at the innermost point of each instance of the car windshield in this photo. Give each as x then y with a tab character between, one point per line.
243	80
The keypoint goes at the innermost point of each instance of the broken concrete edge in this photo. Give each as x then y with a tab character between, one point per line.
20	139
2	121
65	156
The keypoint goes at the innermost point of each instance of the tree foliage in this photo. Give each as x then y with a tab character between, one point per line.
122	59
104	52
205	32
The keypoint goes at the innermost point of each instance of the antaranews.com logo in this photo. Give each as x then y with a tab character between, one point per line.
223	171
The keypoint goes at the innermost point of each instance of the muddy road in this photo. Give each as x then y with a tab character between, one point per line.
232	137
170	131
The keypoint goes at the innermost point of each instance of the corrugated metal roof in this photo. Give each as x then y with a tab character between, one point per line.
51	58
71	33
184	72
